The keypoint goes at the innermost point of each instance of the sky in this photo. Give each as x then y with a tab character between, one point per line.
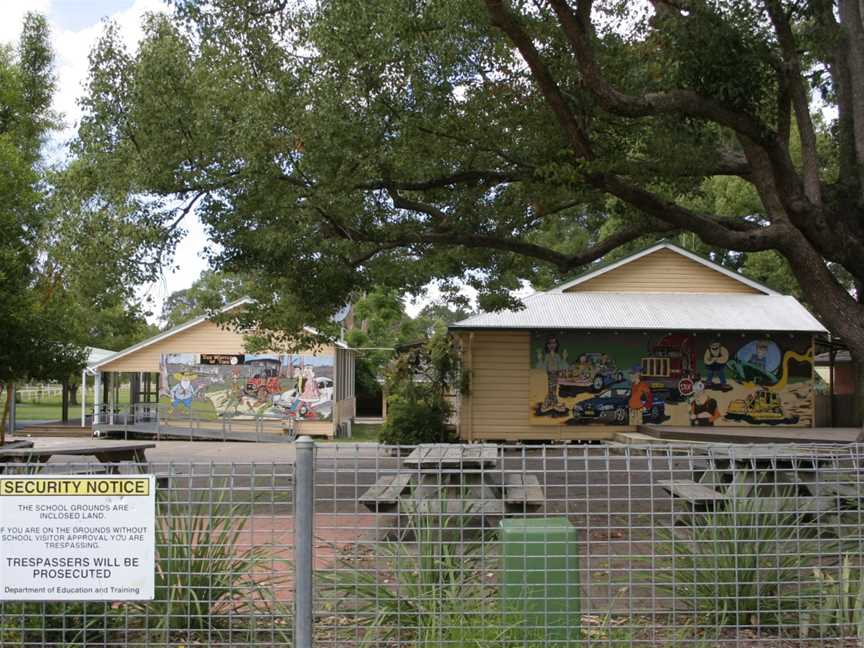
75	26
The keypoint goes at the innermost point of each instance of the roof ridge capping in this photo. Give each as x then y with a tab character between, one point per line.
603	268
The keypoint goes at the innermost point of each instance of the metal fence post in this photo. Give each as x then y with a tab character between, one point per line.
304	496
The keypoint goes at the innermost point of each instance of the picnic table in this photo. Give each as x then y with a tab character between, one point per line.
818	476
462	480
107	452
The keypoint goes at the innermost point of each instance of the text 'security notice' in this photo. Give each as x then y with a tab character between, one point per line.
77	538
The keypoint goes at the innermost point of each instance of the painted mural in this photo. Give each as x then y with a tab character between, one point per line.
248	385
674	378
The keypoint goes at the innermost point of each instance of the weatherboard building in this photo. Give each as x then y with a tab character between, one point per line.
661	337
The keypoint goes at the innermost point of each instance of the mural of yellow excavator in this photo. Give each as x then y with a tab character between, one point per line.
762	406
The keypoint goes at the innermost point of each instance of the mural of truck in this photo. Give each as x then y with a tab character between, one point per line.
592	372
263	387
670	366
762	406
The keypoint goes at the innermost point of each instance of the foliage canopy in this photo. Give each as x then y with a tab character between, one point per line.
335	146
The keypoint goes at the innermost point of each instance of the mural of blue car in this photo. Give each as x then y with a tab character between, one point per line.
610	407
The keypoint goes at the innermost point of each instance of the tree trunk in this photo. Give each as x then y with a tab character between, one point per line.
73	394
64	402
7	405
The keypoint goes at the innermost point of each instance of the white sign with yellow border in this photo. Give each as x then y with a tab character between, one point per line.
80	538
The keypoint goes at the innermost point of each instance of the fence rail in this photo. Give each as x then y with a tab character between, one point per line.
608	546
163	421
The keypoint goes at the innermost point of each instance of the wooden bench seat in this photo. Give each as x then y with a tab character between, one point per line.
691	491
384	494
523	490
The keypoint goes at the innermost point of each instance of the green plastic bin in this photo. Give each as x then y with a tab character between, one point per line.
540	583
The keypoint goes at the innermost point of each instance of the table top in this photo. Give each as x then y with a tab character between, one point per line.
431	455
65	447
765	453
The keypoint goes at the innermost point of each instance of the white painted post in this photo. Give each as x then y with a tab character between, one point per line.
97	396
84	398
111	377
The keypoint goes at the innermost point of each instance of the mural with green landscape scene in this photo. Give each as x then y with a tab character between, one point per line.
212	386
674	378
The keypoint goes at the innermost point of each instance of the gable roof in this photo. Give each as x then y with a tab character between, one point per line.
244	301
663	245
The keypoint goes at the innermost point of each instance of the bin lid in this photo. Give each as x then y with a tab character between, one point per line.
515	524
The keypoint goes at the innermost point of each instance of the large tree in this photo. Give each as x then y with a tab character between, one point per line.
34	313
337	145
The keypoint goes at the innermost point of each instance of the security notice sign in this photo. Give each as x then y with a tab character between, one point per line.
77	538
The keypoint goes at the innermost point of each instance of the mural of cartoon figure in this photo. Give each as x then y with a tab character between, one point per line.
757	362
310	391
716	358
554	363
183	392
703	409
759	357
640	396
235	394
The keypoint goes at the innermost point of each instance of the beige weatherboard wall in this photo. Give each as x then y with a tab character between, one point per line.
157	360
709	346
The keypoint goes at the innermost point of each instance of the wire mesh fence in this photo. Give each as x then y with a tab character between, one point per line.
223	564
589	546
480	546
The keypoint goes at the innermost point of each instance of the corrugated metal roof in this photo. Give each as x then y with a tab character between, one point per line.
652	311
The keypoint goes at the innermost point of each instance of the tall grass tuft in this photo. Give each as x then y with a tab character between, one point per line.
432	584
837	604
208	588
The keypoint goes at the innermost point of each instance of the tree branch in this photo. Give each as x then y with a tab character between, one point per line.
471	176
798	94
742	236
505	21
578	31
850	21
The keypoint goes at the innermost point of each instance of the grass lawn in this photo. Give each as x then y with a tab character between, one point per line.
361	433
49	408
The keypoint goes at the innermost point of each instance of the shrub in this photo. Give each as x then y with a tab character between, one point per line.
417	415
432	586
742	565
418	381
69	624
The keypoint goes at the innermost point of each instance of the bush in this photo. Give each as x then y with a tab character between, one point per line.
60	623
838	602
433	586
418	382
417	416
742	566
